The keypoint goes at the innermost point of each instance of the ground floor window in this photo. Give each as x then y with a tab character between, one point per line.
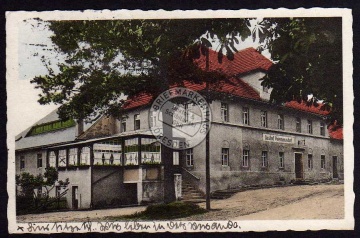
225	156
264	158
22	162
310	161
189	157
176	158
322	161
39	160
245	158
281	159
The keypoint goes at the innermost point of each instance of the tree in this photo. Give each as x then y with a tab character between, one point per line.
105	60
308	56
30	183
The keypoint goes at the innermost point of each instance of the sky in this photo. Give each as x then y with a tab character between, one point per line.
34	39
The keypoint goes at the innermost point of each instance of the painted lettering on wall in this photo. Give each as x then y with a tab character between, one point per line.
279	139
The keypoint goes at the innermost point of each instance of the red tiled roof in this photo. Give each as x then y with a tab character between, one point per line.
137	101
244	61
303	107
237	88
335	133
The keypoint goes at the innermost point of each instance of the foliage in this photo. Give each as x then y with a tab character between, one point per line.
167	211
105	60
48	181
308	56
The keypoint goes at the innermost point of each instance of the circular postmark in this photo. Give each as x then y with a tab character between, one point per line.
180	118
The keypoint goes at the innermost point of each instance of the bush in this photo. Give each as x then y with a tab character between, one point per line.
168	211
26	205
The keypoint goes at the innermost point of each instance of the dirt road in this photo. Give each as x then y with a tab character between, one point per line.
295	202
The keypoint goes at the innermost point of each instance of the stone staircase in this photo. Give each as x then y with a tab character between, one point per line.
191	194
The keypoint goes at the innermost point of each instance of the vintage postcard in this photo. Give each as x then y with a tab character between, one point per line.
180	121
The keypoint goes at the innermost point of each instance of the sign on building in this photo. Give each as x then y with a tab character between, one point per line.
279	139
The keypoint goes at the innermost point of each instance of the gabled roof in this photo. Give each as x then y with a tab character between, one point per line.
55	137
244	61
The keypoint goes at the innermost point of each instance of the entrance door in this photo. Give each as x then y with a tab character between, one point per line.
75	197
335	172
298	166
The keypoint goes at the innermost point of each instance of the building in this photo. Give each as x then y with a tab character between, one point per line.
115	162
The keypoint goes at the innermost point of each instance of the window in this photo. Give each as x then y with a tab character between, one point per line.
176	153
58	191
189	157
224	111
62	158
245	158
264	159
309	127
39	160
246	116
225	156
52	159
22	162
281	159
263	118
265	89
310	161
298	124
186	113
322	128
123	125
137	122
323	161
281	122
51	126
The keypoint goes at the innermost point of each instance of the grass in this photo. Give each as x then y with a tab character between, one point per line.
165	212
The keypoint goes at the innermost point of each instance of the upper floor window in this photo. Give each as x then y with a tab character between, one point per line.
22	162
62	158
52	159
298	124
246	116
224	111
264	158
189	157
263	118
309	127
245	158
137	122
281	159
39	160
322	162
123	124
51	126
322	128
225	156
281	122
186	112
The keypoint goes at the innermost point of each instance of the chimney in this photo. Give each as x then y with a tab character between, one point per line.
79	127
